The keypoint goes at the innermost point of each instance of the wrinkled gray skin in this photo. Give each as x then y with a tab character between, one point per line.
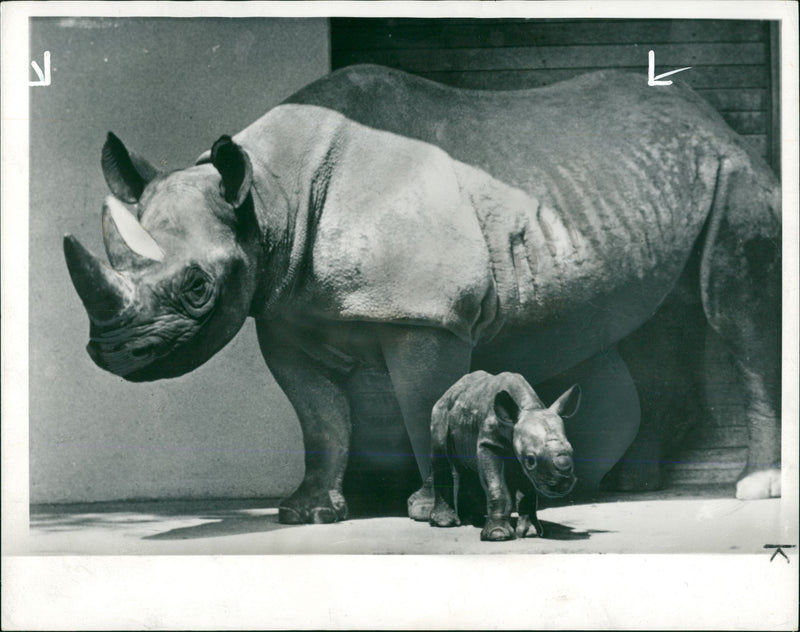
497	426
380	220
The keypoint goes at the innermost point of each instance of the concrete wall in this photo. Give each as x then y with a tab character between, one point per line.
168	88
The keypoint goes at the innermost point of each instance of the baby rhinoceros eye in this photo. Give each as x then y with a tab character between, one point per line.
197	289
529	461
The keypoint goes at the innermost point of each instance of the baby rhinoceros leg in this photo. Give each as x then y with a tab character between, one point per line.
444	477
443	514
498	499
528	524
497	529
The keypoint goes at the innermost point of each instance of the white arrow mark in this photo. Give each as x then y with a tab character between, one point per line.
44	77
654	81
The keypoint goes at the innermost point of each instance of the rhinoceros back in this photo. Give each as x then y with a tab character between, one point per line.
590	192
508	133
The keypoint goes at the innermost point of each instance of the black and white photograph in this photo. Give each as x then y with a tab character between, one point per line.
476	302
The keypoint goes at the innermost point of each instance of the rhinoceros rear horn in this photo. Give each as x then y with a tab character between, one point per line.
127	243
235	168
126	174
104	293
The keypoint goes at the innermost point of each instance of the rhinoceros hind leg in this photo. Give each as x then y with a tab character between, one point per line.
761	477
423	362
741	291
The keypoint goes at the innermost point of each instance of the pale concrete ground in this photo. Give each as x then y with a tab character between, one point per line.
689	520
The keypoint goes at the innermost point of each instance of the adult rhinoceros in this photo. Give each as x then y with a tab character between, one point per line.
379	219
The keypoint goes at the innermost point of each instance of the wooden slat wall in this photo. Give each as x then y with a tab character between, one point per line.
731	60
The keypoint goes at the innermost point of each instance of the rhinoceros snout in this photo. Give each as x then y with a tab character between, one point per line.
555	476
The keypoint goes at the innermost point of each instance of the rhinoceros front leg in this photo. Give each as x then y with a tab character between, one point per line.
423	362
320	401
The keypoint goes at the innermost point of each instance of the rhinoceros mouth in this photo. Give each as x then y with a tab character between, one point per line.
125	359
122	346
137	353
130	361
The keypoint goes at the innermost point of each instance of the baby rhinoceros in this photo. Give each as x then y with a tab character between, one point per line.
497	426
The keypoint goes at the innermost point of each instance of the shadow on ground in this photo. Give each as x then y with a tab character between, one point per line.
555	531
191	519
242	524
234	524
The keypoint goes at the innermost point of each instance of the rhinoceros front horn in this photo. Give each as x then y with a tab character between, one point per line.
104	293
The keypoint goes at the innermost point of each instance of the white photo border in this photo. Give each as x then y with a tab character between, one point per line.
410	592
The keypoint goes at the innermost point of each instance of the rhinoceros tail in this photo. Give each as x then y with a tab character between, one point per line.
740	271
740	283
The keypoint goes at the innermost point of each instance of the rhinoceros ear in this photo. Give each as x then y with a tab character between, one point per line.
126	174
567	405
235	168
505	408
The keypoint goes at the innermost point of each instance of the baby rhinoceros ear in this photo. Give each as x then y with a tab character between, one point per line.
235	168
567	405
505	408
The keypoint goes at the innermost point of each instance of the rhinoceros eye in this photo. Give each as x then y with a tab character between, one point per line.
196	289
530	461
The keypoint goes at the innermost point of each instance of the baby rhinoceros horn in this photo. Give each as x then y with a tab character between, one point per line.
104	292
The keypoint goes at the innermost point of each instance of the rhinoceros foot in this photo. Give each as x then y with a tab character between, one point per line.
303	507
444	516
757	484
421	502
633	477
497	530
